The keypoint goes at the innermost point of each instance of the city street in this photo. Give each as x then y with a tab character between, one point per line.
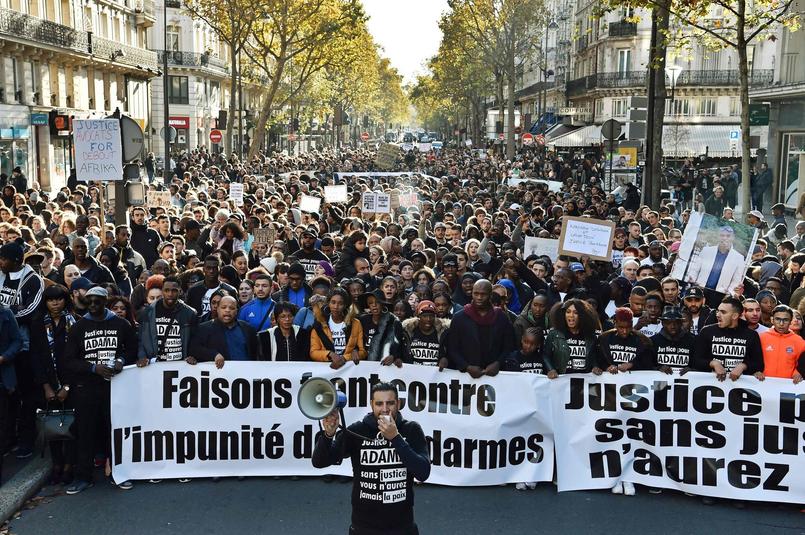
265	505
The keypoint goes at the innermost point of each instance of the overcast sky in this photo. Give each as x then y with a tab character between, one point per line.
407	30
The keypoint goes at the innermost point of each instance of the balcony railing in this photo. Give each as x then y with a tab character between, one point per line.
19	25
757	78
622	29
125	54
614	80
193	59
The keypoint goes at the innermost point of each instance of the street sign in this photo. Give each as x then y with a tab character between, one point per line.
39	119
611	129
216	136
540	139
171	135
735	135
365	136
501	137
758	115
528	138
291	137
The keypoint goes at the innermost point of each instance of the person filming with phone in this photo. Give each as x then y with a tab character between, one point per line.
387	453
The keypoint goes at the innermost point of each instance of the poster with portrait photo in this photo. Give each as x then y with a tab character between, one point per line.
714	253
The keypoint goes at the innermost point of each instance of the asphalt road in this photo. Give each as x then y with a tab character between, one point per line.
265	505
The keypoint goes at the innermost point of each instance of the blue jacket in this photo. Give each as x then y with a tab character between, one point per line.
257	313
10	345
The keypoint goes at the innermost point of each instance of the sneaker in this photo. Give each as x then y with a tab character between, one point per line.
628	489
126	485
618	488
23	453
654	490
185	480
531	485
78	486
520	486
155	481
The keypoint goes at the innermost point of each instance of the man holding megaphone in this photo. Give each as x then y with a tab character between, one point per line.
387	453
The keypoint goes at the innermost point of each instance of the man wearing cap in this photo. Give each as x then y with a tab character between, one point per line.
693	301
78	293
719	267
673	346
194	241
98	346
450	270
21	291
755	219
308	255
427	337
297	291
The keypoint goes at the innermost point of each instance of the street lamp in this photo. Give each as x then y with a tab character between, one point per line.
546	72
673	72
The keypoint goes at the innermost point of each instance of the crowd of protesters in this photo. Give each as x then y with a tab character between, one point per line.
442	281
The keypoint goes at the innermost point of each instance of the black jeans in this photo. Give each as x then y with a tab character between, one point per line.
28	397
92	425
3	422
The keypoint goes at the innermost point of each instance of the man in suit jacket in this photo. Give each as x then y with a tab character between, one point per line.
225	338
719	267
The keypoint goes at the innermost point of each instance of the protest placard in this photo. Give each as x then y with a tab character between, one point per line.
159	199
394	199
336	194
236	193
369	202
387	155
98	149
383	203
409	199
541	246
310	204
584	236
265	235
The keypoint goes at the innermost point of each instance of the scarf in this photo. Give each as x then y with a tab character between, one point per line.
485	320
514	303
69	322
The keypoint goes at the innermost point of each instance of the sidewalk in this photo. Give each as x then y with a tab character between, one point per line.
21	480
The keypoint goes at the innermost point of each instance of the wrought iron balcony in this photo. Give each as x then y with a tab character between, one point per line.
125	54
622	29
21	26
193	59
608	80
757	78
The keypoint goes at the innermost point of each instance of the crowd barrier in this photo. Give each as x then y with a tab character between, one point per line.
743	440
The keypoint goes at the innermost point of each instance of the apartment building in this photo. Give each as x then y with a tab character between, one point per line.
79	59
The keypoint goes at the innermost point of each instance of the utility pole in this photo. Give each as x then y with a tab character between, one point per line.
165	86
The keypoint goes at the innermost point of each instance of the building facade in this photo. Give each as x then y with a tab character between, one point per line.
79	60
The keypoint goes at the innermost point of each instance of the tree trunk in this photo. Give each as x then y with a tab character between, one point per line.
501	104
230	126
511	75
265	113
743	77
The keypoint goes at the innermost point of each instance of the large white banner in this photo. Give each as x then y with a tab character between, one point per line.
742	440
172	420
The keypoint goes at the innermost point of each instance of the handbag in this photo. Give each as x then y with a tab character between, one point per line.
55	424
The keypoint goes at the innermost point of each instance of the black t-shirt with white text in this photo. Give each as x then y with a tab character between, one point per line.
425	348
169	339
577	363
676	354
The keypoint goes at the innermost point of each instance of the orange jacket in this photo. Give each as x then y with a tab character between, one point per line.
319	352
781	353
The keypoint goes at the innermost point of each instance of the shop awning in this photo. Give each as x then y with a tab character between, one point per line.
582	137
559	130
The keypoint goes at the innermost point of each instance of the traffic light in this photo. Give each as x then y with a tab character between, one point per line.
222	116
295	124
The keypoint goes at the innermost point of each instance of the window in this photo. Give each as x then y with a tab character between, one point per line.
624	60
735	106
789	74
173	38
177	90
707	107
599	108
677	107
619	107
711	59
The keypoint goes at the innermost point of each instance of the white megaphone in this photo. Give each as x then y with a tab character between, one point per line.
318	397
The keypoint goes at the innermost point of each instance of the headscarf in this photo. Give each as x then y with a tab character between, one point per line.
514	303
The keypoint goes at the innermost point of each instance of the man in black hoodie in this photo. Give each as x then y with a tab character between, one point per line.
673	346
730	346
98	346
387	453
144	239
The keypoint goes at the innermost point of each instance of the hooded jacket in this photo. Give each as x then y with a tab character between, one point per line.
526	321
93	342
319	342
145	241
406	456
730	346
28	295
442	327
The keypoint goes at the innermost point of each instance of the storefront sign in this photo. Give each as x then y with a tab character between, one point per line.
39	119
179	122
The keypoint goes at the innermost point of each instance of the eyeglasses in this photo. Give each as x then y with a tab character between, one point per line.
782	320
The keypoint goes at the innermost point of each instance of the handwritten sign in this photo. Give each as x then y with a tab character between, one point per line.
98	149
541	247
383	204
265	235
159	199
336	194
387	155
583	236
369	202
310	204
409	199
236	193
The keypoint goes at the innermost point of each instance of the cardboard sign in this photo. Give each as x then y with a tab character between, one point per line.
310	204
369	202
394	199
336	194
236	193
387	155
424	147
265	235
409	199
383	203
159	199
583	236
98	150
541	246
